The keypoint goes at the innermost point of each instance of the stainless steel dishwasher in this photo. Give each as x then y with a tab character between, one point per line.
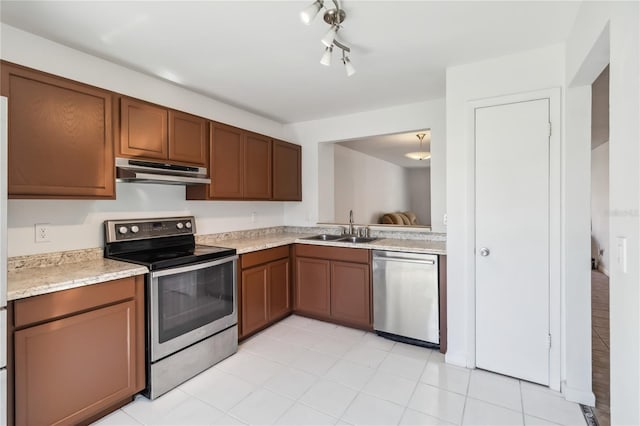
406	297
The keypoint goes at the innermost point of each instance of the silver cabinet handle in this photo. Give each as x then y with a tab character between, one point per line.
402	259
484	251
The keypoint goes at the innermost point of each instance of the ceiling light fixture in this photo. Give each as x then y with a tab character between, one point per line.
420	154
326	58
334	17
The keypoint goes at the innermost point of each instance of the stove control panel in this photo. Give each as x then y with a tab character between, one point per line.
141	229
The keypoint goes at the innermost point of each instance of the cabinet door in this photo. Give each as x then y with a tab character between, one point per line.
227	154
254	299
60	137
68	370
312	286
351	293
188	138
279	289
257	167
143	129
287	171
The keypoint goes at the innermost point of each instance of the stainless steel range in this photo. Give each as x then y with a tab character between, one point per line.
191	305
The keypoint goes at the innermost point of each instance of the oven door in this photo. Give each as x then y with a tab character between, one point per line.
190	303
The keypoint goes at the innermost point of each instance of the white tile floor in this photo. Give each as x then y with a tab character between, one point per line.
306	372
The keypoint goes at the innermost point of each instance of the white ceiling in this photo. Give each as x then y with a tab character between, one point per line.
392	148
257	55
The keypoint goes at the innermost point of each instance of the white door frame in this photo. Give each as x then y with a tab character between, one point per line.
556	289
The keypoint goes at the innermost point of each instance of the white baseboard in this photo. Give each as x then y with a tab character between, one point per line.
603	270
456	358
580	396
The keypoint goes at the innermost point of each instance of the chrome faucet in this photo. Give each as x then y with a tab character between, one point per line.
351	222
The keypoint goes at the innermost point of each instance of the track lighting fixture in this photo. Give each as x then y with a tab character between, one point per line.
326	58
348	66
334	17
311	11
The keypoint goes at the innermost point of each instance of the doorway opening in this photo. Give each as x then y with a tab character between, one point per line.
600	258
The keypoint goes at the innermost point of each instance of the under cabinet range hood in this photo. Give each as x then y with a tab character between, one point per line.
145	171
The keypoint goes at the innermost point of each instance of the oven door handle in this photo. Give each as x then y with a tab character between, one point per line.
194	267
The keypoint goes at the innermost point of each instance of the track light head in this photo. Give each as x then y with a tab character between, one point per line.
348	66
326	58
310	12
330	36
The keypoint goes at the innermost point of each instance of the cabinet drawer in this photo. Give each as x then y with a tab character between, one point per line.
333	253
62	303
263	256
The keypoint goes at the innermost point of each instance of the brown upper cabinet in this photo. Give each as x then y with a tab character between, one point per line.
287	171
60	136
250	166
158	133
240	166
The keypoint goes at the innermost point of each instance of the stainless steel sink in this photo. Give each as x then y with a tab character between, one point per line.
324	237
354	239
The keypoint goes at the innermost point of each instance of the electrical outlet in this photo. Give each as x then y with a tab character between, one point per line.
444	219
41	232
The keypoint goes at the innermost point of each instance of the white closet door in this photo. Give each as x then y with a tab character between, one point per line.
512	239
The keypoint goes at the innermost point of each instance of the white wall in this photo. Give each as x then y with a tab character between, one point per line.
77	224
399	119
600	203
609	32
419	185
326	186
368	186
523	72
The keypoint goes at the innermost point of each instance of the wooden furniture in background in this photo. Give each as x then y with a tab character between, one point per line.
60	136
333	284
78	353
264	289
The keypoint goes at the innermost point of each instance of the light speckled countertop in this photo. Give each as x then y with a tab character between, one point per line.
246	245
28	282
46	273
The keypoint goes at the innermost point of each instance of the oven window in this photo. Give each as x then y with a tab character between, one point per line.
190	300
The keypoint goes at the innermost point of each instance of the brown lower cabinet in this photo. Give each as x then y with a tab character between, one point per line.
264	289
78	353
333	284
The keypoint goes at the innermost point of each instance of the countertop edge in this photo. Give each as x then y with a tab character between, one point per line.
129	270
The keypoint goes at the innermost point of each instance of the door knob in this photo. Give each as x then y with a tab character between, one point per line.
484	251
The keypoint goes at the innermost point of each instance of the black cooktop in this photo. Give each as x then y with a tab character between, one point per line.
174	256
158	243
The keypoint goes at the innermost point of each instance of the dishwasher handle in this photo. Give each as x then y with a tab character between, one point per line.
404	260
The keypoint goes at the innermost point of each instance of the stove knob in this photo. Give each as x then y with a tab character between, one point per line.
188	225
123	230
135	229
179	225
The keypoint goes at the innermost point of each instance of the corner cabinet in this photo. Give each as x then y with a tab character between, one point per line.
287	171
78	353
60	136
333	284
264	289
158	133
